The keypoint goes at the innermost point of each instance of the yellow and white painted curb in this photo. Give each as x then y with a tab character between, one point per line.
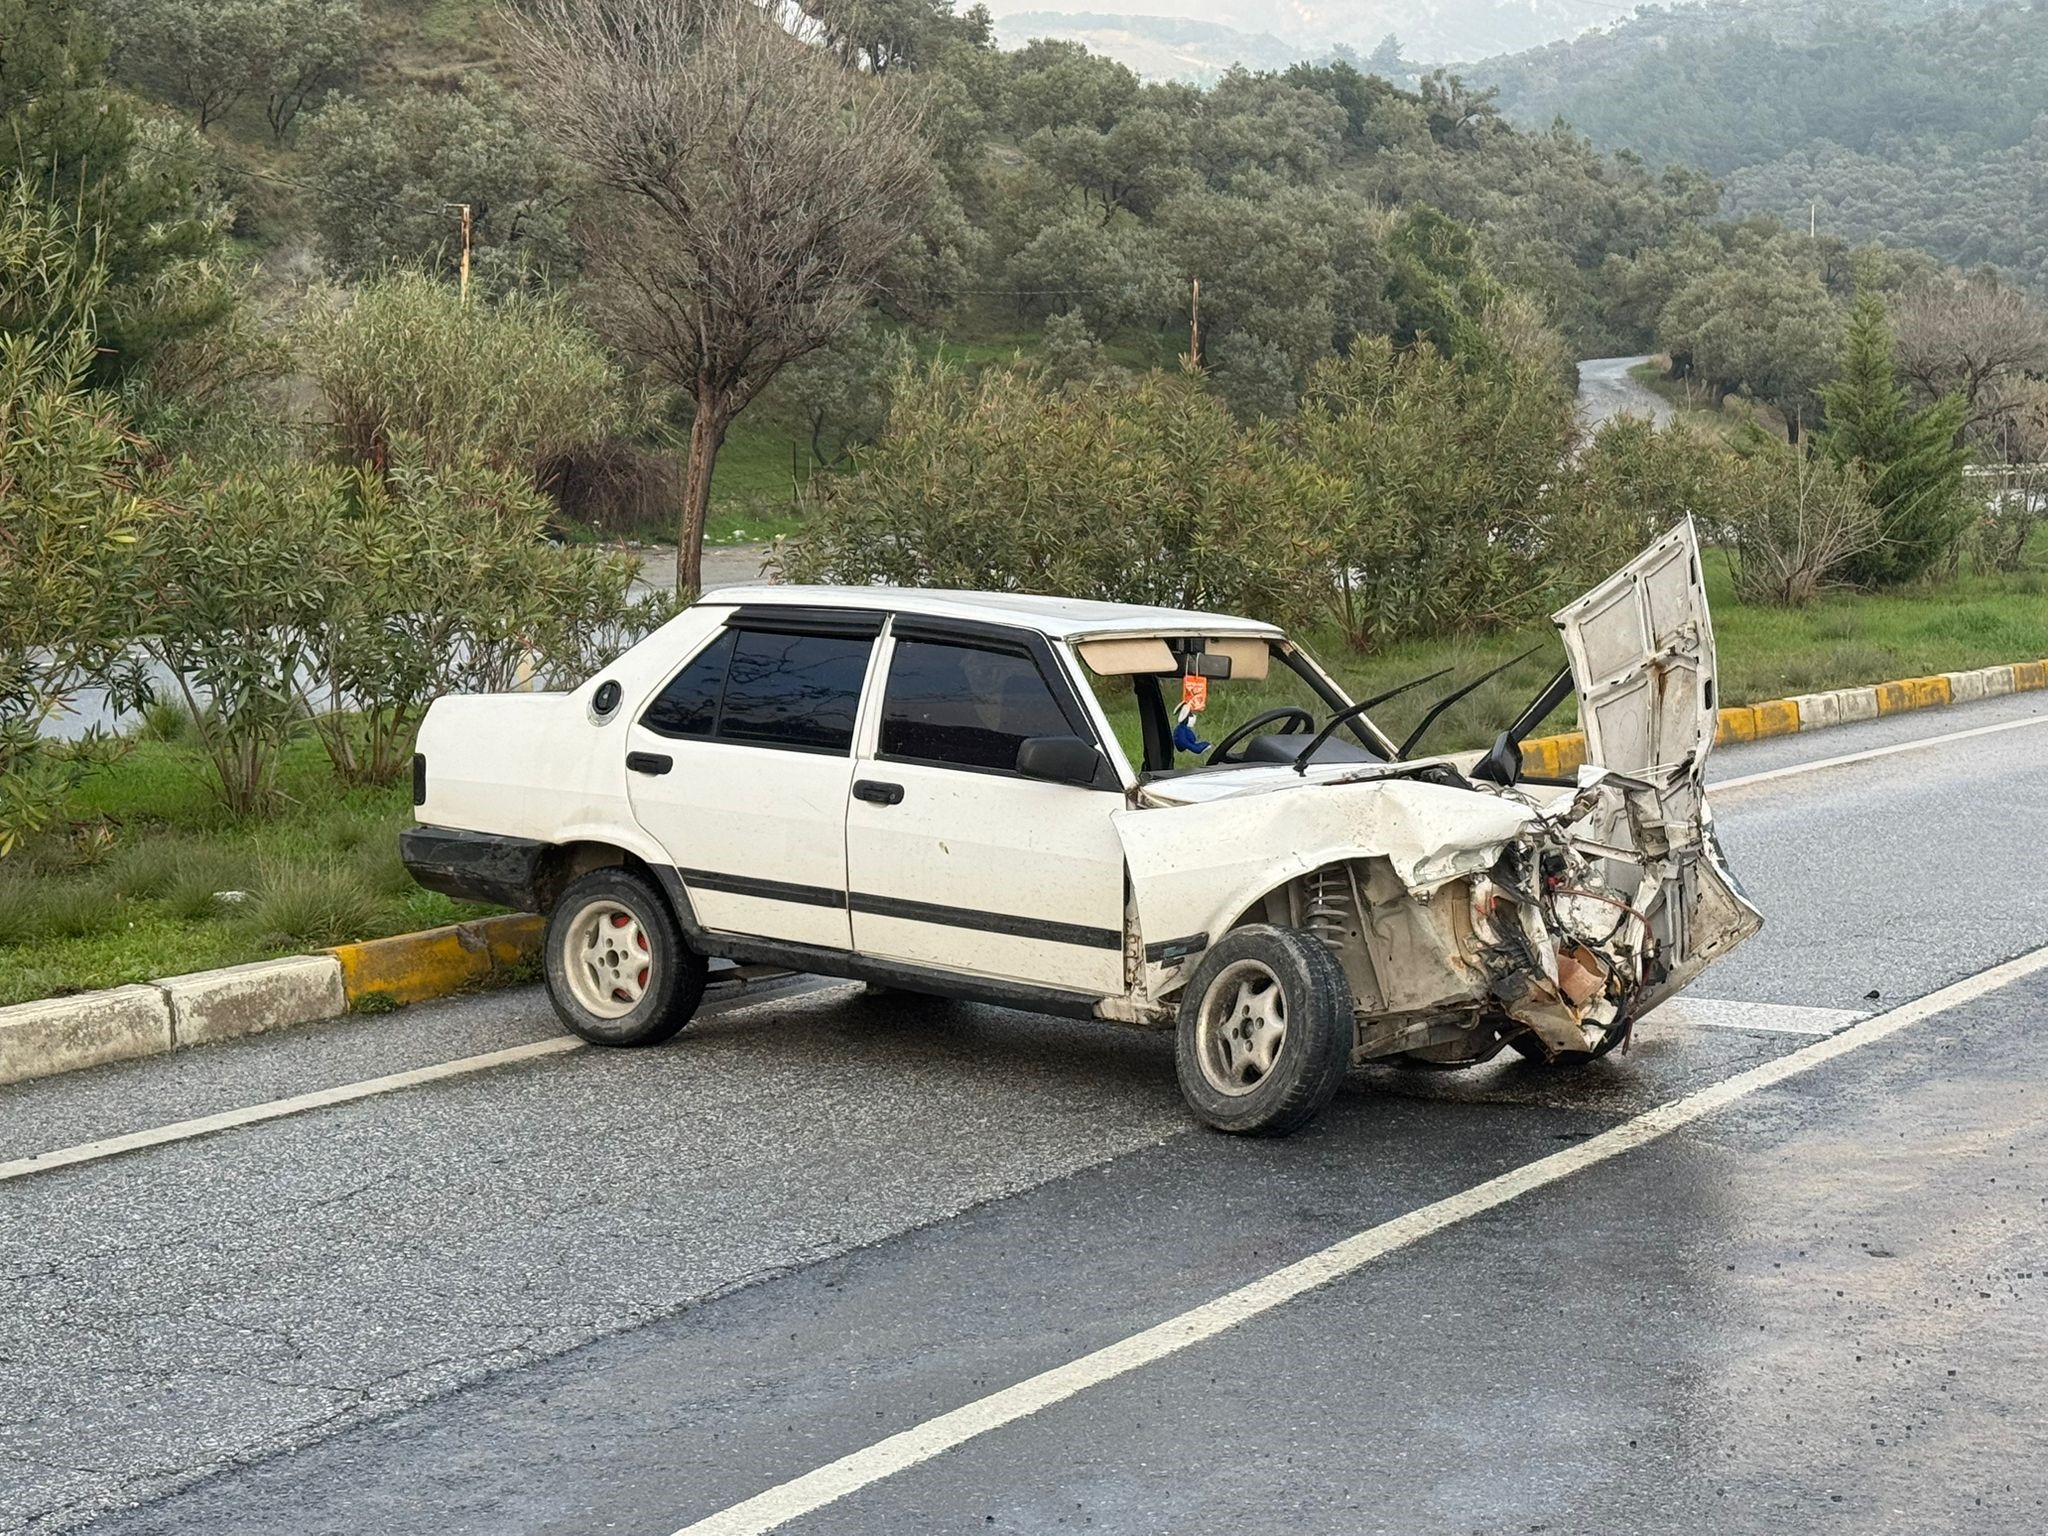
1557	757
414	967
151	1018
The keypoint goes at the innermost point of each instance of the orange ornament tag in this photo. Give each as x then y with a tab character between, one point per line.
1194	693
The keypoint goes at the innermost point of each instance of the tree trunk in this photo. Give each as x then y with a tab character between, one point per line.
707	436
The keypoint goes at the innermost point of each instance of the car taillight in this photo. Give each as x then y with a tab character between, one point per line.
419	778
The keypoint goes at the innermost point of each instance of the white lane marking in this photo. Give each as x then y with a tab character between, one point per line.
322	1098
1716	787
277	1109
1762	1018
813	1490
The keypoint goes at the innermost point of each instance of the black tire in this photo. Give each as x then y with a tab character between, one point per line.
1532	1050
653	1000
1280	1089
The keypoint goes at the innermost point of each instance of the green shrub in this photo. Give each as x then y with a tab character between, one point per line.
1139	490
309	905
237	593
506	606
516	382
71	517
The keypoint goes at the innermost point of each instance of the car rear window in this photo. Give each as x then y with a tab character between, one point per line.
965	706
764	688
793	690
688	706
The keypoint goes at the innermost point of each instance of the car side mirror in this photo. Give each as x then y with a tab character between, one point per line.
1061	759
1503	761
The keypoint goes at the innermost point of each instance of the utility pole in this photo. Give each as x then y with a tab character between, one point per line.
1813	221
1195	325
463	209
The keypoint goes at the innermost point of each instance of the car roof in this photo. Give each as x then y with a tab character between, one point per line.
1060	617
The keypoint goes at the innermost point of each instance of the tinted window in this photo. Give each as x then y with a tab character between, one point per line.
960	705
688	706
793	690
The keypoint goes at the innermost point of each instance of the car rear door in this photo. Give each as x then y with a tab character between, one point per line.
957	862
739	768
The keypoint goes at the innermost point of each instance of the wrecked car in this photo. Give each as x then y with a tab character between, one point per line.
1140	815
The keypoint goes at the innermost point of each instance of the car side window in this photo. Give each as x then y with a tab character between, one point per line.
793	690
757	687
965	706
688	706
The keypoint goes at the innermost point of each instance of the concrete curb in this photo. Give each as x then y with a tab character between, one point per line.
1558	757
414	967
152	1018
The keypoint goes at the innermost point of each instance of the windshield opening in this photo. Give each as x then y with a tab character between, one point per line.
1141	683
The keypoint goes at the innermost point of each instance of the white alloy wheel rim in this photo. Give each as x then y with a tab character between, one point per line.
608	959
1242	1029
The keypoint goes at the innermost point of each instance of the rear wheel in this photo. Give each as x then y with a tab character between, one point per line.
1265	1031
618	971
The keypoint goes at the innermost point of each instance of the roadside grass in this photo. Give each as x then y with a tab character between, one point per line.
1842	641
150	878
1696	408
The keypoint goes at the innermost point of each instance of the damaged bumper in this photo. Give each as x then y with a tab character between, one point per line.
1606	907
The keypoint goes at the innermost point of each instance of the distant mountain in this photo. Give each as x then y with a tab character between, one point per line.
1572	76
1192	39
1911	121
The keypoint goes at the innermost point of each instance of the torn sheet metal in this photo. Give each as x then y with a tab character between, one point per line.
1465	913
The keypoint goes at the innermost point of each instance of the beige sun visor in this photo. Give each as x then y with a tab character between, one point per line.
1139	655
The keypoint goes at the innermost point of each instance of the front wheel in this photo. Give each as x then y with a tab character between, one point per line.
618	971
1265	1031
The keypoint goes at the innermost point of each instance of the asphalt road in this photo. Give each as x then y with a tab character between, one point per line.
624	1292
1605	389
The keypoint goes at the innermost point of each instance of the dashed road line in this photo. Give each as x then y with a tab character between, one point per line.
777	1506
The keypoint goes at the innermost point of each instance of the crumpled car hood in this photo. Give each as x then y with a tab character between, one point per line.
1430	833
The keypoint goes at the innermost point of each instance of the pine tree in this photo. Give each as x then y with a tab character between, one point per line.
1913	460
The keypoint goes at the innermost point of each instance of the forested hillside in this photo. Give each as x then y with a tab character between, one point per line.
1920	126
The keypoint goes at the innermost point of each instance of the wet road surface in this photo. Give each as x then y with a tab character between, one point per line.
1605	389
627	1291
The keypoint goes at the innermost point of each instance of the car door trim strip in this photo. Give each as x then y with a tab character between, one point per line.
766	890
1009	923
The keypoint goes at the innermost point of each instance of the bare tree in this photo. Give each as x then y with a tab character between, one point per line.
1971	338
1798	518
748	191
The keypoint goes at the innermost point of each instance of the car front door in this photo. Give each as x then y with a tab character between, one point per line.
955	860
739	768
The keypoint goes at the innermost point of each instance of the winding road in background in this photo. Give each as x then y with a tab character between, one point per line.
1605	389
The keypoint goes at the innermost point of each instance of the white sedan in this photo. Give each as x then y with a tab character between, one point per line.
1142	815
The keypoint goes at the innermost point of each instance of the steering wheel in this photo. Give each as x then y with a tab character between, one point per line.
1289	712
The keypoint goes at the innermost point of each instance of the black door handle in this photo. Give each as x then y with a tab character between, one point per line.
877	791
649	762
